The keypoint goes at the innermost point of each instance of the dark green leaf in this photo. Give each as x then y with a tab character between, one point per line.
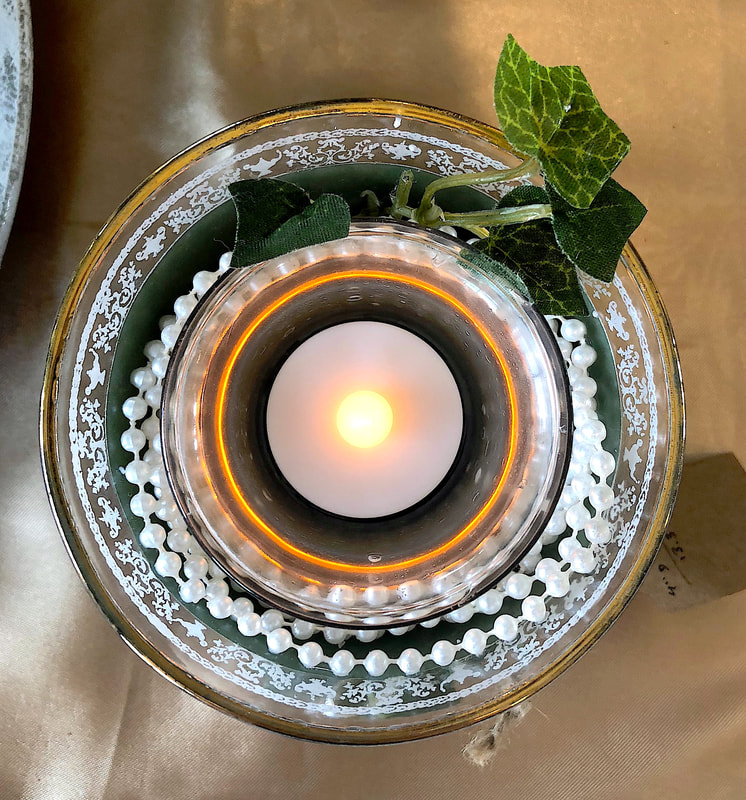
551	113
593	238
531	251
275	217
496	270
524	196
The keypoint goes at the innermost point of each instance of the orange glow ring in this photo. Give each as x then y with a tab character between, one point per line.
223	389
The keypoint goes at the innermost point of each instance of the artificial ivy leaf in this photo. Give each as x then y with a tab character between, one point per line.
527	195
326	219
530	99
551	113
275	217
593	238
531	251
497	270
584	150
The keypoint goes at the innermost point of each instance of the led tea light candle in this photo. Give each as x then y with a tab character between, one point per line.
364	419
367	432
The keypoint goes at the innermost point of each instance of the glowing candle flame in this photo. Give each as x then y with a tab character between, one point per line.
364	419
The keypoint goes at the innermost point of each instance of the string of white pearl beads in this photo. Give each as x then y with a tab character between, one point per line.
199	579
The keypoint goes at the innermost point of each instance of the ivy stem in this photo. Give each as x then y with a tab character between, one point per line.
529	167
399	208
498	216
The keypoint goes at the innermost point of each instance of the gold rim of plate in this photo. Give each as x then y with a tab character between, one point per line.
188	682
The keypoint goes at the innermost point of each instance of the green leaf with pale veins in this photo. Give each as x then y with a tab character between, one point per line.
531	251
593	238
551	113
530	99
584	150
275	217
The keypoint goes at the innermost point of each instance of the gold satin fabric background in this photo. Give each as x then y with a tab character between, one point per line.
658	708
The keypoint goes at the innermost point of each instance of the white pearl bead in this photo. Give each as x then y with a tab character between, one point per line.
568	547
601	497
335	635
410	661
184	305
220	607
216	588
376	663
430	623
490	602
133	440
575	374
271	620
216	572
279	640
202	281
168	319
410	591
366	636
573	330
556	524
195	567
582	485
143	505
134	408
580	400
168	565
342	662
518	586
154	349
310	654
533	609
593	431
137	472
376	596
401	630
250	624
583	561
598	531
546	568
242	606
577	516
505	628
303	629
159	366
192	591
225	260
179	541
167	510
142	378
585	385
151	427
583	356
153	396
169	335
558	585
474	641
152	536
342	596
463	614
602	464
443	653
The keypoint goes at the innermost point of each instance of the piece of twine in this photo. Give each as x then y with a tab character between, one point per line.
482	748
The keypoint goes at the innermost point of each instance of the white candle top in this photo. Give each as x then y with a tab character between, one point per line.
364	419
